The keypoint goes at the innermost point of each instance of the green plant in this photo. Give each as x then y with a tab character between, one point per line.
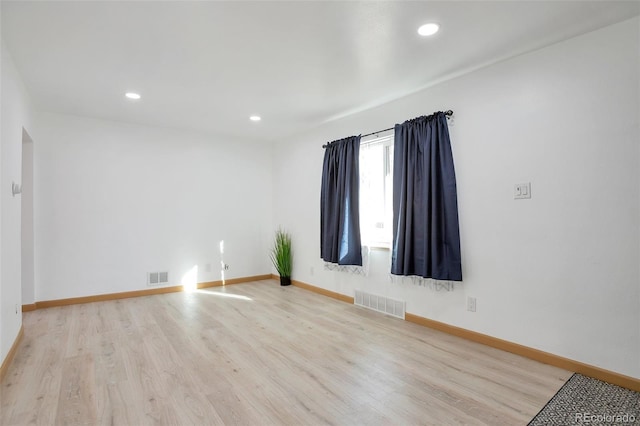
281	253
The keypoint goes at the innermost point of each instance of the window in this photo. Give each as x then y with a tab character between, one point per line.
376	196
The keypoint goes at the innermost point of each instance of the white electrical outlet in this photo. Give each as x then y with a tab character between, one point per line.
471	304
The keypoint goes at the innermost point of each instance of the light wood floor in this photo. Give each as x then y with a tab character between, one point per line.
257	354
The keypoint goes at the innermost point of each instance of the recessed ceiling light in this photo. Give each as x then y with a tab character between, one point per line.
255	118
132	95
428	29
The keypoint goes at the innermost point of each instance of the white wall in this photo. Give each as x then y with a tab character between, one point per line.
115	201
28	282
16	114
558	272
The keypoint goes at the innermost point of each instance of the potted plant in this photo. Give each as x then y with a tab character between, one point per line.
281	256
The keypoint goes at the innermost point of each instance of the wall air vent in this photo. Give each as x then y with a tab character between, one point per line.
378	303
157	278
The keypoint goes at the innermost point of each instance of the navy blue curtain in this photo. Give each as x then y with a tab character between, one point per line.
426	237
340	202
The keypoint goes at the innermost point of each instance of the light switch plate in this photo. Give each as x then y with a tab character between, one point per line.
522	191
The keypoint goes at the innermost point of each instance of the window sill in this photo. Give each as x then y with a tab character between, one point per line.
378	246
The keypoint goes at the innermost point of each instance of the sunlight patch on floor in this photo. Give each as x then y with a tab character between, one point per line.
225	295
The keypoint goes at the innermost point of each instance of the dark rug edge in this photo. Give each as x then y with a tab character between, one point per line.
551	399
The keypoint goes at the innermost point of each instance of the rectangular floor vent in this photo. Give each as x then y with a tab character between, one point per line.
386	305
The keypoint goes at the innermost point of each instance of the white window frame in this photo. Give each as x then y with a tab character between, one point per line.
371	236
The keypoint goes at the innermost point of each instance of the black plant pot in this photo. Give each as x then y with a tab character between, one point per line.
285	280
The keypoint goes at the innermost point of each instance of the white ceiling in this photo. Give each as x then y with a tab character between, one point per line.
207	66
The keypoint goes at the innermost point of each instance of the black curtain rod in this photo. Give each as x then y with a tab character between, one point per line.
448	113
